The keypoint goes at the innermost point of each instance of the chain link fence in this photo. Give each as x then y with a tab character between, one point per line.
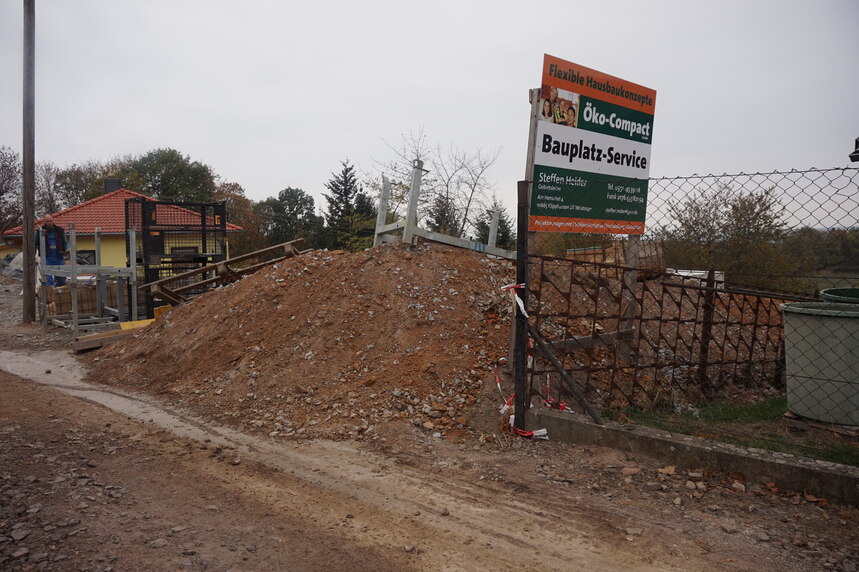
741	296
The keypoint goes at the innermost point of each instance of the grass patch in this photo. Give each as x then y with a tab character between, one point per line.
768	409
759	425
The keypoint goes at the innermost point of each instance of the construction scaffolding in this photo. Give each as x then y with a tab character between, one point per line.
95	298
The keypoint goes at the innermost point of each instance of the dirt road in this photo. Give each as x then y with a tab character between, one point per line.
144	498
93	478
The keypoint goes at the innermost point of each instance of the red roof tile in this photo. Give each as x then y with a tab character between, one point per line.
106	212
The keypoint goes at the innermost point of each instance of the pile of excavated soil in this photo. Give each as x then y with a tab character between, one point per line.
329	344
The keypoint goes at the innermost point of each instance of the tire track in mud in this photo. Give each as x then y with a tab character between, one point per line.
450	522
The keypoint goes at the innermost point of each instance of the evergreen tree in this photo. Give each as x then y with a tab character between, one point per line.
343	187
343	216
443	216
506	237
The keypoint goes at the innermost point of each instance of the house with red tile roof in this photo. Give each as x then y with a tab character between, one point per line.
106	213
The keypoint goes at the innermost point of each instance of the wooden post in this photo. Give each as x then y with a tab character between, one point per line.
382	215
414	195
707	334
628	304
520	331
121	288
29	161
534	99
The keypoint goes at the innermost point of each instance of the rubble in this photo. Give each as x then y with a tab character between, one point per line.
330	344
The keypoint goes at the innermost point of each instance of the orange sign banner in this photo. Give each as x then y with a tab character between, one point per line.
598	85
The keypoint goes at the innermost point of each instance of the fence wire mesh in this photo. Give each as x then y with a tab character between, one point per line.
740	301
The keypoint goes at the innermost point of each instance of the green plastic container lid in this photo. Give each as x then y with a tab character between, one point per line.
843	295
831	309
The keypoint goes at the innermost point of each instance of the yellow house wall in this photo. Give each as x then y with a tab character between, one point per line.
112	249
8	249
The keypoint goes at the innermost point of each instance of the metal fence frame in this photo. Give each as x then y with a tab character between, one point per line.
627	338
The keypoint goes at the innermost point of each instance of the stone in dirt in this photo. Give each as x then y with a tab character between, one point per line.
21	552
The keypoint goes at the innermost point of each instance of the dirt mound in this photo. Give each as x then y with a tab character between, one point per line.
329	343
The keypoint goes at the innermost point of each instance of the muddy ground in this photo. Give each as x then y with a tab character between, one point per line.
84	486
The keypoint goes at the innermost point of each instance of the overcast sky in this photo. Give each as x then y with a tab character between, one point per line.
273	94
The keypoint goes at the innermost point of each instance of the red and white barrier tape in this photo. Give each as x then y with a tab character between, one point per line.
514	293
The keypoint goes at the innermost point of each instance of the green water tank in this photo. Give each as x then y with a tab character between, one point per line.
822	360
844	295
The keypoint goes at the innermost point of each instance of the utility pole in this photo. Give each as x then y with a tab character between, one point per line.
29	161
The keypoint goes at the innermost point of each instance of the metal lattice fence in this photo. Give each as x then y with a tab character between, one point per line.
174	237
739	291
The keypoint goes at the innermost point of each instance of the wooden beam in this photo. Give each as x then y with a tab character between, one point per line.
290	249
98	340
585	342
160	291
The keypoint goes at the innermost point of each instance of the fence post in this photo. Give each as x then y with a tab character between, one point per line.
414	195
707	334
43	295
382	215
493	228
628	304
520	332
132	253
73	235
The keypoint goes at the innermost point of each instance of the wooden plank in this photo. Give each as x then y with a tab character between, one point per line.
214	267
98	335
585	342
91	327
160	291
91	343
391	226
160	311
225	274
135	324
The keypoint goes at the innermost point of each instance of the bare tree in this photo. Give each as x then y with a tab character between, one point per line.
475	184
455	182
47	196
10	188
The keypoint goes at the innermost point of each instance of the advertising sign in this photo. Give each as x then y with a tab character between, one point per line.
592	152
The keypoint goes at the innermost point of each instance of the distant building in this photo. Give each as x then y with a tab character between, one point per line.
107	213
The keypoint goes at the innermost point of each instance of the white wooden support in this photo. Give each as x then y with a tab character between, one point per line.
414	195
382	215
493	228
